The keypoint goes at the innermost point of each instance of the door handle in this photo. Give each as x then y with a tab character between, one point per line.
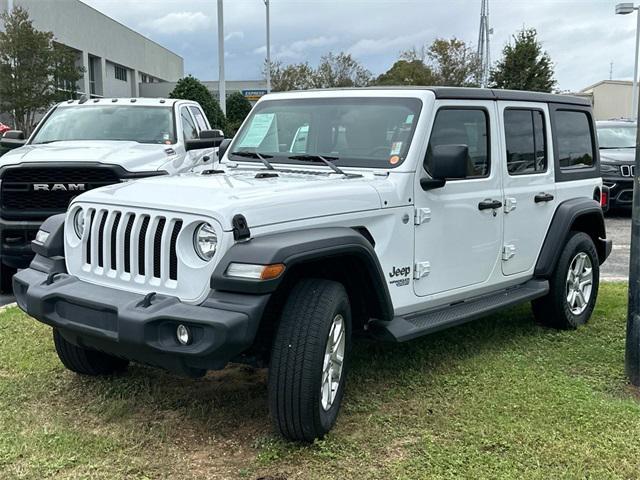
543	197
489	204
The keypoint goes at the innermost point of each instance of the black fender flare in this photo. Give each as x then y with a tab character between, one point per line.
584	212
299	247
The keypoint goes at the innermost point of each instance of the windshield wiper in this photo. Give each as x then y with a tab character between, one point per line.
259	156
326	160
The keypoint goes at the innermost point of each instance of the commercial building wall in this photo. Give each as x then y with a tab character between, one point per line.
611	99
100	40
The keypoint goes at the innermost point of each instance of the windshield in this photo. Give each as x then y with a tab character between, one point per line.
619	136
361	132
108	122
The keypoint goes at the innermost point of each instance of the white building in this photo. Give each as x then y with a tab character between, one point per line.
116	59
611	99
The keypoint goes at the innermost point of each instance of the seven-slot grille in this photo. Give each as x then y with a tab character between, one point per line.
627	170
131	246
38	192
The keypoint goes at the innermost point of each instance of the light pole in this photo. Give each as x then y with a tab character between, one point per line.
625	9
266	4
221	84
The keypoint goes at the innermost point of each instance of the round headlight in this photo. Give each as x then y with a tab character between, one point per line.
205	241
78	222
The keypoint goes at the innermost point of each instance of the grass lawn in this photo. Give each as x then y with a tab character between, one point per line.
498	398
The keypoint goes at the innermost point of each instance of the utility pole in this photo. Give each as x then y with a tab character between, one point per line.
632	350
626	9
611	71
266	4
221	81
484	48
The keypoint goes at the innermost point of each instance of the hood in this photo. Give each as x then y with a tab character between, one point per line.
618	155
132	156
263	201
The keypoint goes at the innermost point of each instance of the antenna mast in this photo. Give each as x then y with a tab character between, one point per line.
484	50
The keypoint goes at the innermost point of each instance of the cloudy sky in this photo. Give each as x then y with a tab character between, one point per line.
583	37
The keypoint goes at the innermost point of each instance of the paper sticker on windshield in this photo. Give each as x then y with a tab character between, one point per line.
258	130
394	160
396	148
410	118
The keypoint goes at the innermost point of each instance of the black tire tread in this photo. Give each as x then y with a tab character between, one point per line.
299	343
85	361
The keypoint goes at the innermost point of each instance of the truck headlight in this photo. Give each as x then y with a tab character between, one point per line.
78	222
205	241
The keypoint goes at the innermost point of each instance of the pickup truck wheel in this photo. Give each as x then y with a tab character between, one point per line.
309	360
573	286
85	361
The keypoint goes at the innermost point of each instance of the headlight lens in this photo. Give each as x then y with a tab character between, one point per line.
205	241
78	222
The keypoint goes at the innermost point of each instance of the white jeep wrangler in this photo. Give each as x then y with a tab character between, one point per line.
85	144
393	211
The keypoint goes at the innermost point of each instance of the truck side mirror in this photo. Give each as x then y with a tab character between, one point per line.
446	162
13	139
207	139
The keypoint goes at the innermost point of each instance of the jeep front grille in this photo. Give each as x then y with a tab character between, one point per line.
140	248
627	170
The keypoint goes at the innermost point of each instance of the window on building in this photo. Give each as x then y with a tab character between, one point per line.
574	139
457	126
121	72
189	129
525	141
92	75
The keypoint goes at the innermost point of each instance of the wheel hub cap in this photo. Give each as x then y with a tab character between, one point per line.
333	362
579	283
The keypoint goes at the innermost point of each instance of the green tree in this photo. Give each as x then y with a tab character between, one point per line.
524	65
238	107
190	88
297	76
340	70
35	71
407	72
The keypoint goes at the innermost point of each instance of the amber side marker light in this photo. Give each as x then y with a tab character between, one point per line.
255	272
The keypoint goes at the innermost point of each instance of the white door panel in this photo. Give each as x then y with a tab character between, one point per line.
525	176
460	244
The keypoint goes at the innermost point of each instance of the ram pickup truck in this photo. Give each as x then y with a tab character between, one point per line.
389	212
81	145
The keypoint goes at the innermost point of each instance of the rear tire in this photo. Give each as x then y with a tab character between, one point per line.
309	360
573	286
85	361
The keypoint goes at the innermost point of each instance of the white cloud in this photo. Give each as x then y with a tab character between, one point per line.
179	22
375	46
230	36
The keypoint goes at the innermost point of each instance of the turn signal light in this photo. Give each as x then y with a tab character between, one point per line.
255	272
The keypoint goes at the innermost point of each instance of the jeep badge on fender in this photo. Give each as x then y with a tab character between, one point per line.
386	212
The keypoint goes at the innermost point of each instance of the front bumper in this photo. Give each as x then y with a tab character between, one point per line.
15	242
620	191
118	322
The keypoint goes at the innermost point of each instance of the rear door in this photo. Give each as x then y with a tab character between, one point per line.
529	185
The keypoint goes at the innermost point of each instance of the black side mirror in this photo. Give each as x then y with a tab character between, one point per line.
224	146
13	139
447	162
207	139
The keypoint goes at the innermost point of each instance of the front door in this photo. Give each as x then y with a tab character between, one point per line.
529	186
458	235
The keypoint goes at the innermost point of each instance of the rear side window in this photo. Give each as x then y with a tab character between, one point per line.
525	141
574	139
458	126
197	114
189	129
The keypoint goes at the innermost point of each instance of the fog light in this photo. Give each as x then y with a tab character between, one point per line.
183	335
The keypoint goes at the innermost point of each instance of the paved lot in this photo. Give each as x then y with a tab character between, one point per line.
619	230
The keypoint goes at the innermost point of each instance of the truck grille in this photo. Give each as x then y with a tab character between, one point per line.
131	246
627	170
39	192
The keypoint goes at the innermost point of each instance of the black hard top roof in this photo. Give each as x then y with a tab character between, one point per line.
465	93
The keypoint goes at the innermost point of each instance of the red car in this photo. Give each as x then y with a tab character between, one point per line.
3	128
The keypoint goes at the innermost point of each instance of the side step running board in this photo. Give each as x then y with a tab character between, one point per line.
401	329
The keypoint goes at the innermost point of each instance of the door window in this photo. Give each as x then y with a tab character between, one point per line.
197	114
525	141
574	138
189	129
463	126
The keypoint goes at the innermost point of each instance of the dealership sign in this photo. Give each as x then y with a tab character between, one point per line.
254	95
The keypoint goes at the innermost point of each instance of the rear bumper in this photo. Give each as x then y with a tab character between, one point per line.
620	191
117	322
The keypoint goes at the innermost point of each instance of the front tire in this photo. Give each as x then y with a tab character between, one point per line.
86	361
309	360
573	286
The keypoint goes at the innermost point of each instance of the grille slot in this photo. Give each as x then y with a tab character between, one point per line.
128	246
